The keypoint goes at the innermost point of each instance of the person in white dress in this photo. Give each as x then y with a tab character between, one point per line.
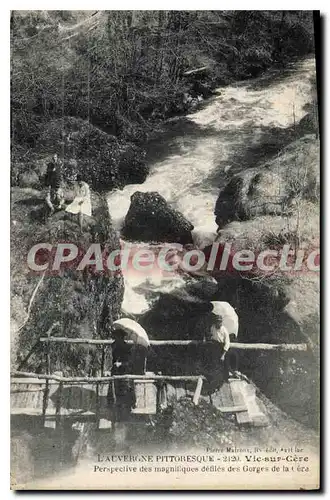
224	325
228	316
82	201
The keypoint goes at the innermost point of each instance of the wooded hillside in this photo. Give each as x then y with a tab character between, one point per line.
124	71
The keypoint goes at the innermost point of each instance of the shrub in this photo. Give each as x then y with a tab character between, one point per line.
103	160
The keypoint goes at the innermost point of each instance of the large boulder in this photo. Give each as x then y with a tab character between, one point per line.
273	188
84	303
132	167
182	314
264	208
279	310
151	219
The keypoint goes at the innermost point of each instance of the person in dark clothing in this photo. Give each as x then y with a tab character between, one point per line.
126	359
53	182
138	359
120	354
122	391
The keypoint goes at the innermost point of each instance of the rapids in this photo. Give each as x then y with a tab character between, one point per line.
201	150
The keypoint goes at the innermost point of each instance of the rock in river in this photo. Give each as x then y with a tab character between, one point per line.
151	219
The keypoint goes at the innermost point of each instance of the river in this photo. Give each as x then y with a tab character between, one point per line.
194	156
189	162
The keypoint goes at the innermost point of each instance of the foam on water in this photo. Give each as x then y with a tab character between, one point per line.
230	121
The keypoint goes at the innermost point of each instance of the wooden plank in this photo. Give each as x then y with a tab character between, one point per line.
243	418
27	397
234	345
144	411
97	404
40	399
232	409
49	407
58	404
198	391
31	399
30	388
17	381
51	412
105	423
140	394
102	361
171	393
90	380
45	400
146	397
222	397
22	397
26	411
89	397
258	418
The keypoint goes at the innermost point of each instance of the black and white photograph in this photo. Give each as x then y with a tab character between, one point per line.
164	250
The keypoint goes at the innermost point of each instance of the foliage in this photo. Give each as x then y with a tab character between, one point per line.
124	70
82	302
104	160
200	426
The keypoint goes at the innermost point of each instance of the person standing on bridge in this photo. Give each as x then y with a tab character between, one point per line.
224	328
127	359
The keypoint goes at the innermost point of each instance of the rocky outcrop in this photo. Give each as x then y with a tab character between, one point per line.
273	188
279	310
151	219
273	205
84	303
182	313
104	161
266	207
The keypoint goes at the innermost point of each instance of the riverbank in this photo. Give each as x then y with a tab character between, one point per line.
244	130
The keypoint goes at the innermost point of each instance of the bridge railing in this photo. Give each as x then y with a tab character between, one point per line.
234	345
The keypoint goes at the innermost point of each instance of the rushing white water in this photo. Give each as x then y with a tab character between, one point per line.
228	124
189	180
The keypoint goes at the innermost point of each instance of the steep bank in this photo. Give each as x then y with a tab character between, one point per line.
246	126
196	156
83	304
103	160
192	160
129	70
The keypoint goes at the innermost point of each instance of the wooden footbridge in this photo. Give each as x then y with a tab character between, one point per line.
57	399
